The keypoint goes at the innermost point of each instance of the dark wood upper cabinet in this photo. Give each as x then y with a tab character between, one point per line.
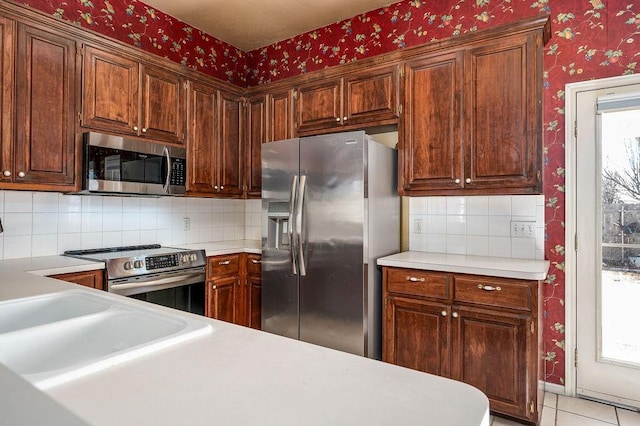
163	104
6	99
214	142
319	105
44	149
256	136
231	161
202	140
280	120
473	119
504	115
368	97
124	96
432	153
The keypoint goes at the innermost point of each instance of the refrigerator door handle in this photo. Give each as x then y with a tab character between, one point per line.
299	229
292	207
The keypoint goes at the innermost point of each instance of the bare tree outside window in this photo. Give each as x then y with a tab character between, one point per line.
625	179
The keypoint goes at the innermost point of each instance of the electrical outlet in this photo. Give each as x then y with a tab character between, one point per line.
522	229
186	223
417	226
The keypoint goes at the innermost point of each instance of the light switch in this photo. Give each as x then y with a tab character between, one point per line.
522	229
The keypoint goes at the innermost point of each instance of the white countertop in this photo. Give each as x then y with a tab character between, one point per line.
479	265
234	376
227	247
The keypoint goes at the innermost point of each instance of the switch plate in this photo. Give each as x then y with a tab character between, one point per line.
523	229
418	226
186	223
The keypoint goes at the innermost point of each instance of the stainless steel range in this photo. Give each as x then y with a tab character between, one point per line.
166	276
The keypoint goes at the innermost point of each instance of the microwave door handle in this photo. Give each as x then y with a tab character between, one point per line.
165	187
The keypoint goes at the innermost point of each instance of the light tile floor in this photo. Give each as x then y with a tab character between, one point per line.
560	410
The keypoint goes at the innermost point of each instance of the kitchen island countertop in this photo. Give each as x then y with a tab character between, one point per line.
236	376
525	269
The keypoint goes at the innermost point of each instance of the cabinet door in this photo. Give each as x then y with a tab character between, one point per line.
6	99
163	105
503	113
221	298
93	279
254	286
46	78
280	116
431	148
202	140
372	96
490	353
256	125
319	105
415	334
230	159
110	95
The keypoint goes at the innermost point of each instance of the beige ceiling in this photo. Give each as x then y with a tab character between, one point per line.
249	24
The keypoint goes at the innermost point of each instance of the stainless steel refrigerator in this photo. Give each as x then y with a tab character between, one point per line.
329	210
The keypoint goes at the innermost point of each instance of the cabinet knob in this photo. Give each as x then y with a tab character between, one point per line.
415	279
455	315
338	119
255	261
221	186
489	287
135	128
468	180
6	173
344	118
144	130
457	181
215	187
443	313
224	262
21	174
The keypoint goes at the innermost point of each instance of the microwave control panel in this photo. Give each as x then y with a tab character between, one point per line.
178	172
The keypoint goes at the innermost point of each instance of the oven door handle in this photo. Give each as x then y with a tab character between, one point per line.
156	284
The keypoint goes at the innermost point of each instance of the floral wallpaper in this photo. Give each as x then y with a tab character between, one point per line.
590	39
140	25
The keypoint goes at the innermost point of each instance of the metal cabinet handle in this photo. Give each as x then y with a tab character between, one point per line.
221	186
457	181
254	261
135	128
144	130
415	279
213	287
21	174
215	187
455	315
224	262
443	313
7	173
338	119
344	118
468	180
488	288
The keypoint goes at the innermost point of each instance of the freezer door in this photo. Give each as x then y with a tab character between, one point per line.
331	291
280	172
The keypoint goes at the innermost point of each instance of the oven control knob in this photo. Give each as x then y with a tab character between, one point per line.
127	265
184	258
137	264
192	257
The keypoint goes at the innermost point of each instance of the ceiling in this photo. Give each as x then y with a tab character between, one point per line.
250	24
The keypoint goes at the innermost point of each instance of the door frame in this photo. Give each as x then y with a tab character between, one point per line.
570	293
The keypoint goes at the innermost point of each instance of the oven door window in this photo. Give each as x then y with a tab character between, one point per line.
189	298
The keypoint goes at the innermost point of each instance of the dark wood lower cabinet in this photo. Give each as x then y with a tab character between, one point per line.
479	330
93	279
233	289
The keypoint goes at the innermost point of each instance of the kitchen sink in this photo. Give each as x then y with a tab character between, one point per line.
60	337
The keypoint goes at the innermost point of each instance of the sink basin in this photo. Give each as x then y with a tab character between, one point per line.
60	337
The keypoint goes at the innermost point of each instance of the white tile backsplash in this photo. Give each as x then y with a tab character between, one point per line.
48	223
477	225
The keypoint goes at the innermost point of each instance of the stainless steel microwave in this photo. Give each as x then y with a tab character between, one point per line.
122	165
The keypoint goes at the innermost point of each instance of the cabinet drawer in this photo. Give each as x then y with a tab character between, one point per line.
223	265
254	264
496	292
418	283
